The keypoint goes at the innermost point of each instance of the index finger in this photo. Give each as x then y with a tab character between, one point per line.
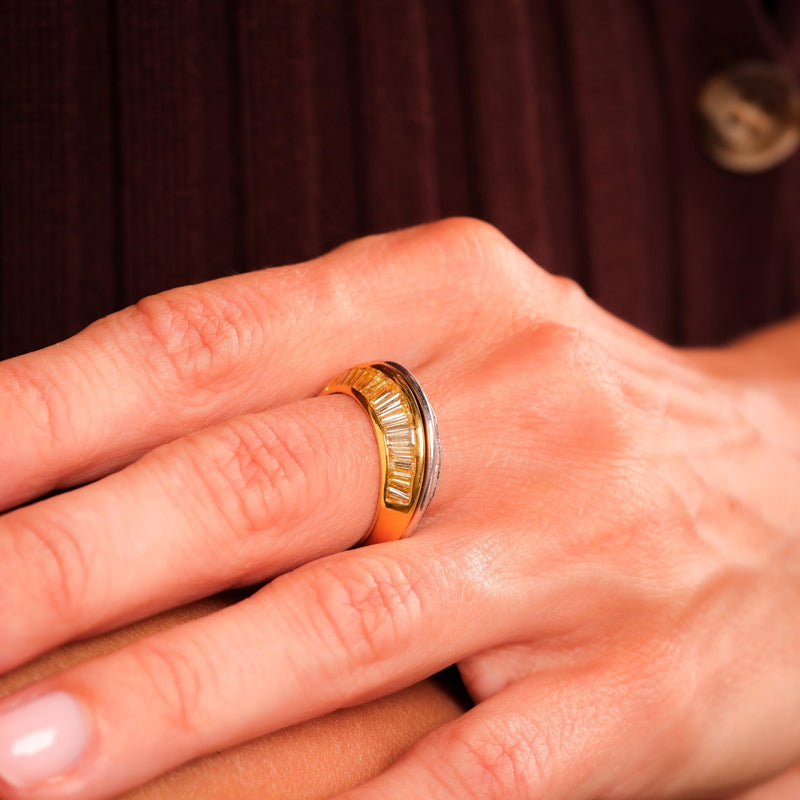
193	356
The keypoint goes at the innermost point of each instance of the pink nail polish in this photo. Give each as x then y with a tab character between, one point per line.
41	739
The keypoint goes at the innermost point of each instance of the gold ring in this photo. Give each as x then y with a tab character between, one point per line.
408	440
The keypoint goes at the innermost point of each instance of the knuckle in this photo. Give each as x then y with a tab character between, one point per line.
495	276
370	611
193	335
254	472
475	244
61	566
175	679
471	231
545	296
44	400
566	292
501	757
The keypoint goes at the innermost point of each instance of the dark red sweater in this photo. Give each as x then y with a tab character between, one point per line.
147	144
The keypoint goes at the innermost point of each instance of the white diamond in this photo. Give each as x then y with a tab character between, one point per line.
398	496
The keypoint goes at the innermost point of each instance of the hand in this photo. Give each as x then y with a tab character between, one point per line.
318	758
612	556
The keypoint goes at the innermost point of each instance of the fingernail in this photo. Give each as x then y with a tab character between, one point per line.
41	739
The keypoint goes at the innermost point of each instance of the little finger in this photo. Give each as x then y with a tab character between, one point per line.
337	632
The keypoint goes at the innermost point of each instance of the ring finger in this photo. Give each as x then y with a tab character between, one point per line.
232	505
235	504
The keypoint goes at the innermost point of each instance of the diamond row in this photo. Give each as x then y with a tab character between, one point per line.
397	421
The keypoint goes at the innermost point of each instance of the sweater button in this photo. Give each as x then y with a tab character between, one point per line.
750	116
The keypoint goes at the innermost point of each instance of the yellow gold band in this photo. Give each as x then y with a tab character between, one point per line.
408	441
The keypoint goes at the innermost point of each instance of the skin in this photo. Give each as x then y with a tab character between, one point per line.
316	759
612	557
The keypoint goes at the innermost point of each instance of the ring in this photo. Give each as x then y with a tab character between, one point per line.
408	440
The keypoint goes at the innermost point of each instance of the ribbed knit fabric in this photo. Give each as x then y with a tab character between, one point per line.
148	144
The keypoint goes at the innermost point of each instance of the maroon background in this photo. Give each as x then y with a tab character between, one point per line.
146	144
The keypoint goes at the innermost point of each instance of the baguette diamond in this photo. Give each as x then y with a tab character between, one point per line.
408	438
396	418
